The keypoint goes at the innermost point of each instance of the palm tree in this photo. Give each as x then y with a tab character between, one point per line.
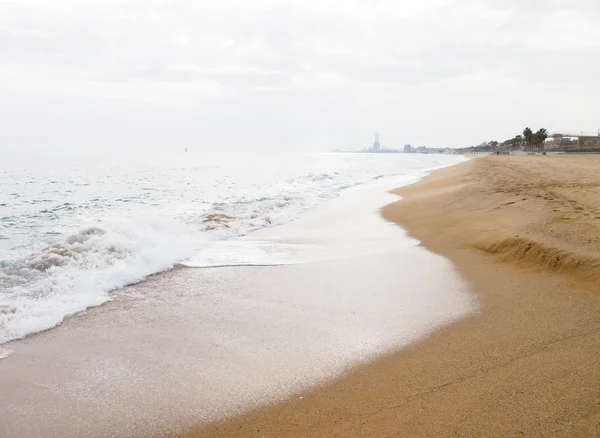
540	137
517	142
528	136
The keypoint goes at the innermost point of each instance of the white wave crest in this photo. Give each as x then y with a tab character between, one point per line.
69	277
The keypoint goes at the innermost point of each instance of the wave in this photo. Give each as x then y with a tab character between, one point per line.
41	290
38	290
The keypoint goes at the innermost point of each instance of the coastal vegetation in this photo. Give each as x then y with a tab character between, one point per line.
534	141
528	140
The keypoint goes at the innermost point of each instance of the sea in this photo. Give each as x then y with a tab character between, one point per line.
76	229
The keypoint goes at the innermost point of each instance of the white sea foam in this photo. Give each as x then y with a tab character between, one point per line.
248	251
39	291
73	235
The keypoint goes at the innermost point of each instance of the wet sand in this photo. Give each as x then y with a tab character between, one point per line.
524	232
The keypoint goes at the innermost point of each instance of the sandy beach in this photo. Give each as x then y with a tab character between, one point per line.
492	329
299	219
523	231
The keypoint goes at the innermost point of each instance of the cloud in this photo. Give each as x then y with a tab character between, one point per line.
346	56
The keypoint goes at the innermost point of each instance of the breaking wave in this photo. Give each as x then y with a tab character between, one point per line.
61	268
62	279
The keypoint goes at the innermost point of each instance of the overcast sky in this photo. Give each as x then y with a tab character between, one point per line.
294	75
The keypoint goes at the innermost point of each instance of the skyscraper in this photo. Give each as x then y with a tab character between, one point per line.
376	145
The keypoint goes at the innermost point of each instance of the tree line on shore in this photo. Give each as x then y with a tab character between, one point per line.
527	140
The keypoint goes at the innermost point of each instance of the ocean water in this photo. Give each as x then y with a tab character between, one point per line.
73	230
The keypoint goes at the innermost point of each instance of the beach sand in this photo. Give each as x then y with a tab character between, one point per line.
524	232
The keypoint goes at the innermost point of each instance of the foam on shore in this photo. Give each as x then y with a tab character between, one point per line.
60	258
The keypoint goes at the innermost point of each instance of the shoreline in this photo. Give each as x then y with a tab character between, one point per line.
18	326
527	364
193	345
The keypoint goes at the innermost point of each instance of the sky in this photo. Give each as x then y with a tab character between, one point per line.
265	75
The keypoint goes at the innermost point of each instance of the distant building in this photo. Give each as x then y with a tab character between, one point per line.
376	148
573	142
426	150
376	144
408	149
588	142
436	150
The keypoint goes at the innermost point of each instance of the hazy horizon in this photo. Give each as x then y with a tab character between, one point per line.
293	76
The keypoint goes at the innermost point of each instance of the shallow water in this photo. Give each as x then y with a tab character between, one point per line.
74	229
